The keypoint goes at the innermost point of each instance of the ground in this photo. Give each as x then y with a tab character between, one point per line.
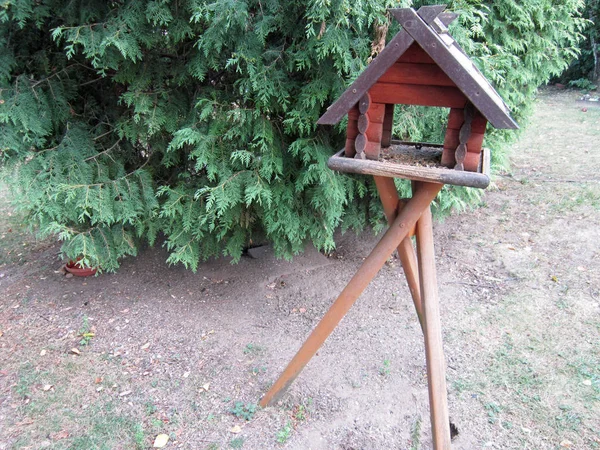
113	361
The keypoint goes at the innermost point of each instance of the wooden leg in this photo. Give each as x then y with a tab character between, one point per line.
436	366
406	252
398	230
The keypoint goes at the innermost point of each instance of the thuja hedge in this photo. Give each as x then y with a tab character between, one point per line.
122	120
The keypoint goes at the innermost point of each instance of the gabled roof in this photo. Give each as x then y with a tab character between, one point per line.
427	27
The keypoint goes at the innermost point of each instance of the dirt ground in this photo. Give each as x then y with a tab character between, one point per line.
110	362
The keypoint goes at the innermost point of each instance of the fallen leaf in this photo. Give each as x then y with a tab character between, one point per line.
75	351
554	278
161	440
566	444
146	346
46	387
98	380
302	310
236	429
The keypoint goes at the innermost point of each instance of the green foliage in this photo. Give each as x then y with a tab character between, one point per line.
242	411
587	66
583	83
285	433
120	120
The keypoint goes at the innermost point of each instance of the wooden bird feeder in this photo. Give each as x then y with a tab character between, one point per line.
422	65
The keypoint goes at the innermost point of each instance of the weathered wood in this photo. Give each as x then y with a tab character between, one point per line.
472	161
411	73
463	136
388	56
456	119
428	174
388	125
351	131
375	132
376	112
458	67
451	140
486	161
360	143
369	149
434	351
416	55
364	104
363	123
413	94
349	150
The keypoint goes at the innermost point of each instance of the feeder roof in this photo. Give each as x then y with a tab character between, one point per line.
427	27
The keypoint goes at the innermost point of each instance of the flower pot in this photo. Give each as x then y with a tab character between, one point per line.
77	271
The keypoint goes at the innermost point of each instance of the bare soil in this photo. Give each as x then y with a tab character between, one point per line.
112	361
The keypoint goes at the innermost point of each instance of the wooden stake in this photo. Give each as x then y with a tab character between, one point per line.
436	365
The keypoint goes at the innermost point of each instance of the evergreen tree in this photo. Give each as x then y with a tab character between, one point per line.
123	119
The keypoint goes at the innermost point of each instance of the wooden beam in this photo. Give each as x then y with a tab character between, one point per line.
388	125
434	351
415	54
411	73
414	94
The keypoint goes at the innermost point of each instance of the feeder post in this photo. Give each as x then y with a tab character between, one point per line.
434	352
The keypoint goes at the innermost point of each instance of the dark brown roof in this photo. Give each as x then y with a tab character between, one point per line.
427	27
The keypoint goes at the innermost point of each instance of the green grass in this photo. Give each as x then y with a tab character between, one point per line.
415	434
285	433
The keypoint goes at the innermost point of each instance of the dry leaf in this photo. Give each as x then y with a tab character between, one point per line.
302	310
237	429
1	334
98	380
566	444
46	387
146	346
75	351
161	440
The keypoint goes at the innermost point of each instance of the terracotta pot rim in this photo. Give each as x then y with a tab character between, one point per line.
72	267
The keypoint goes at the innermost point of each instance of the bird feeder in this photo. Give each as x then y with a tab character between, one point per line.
422	65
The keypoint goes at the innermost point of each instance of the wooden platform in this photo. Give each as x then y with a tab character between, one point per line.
414	161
